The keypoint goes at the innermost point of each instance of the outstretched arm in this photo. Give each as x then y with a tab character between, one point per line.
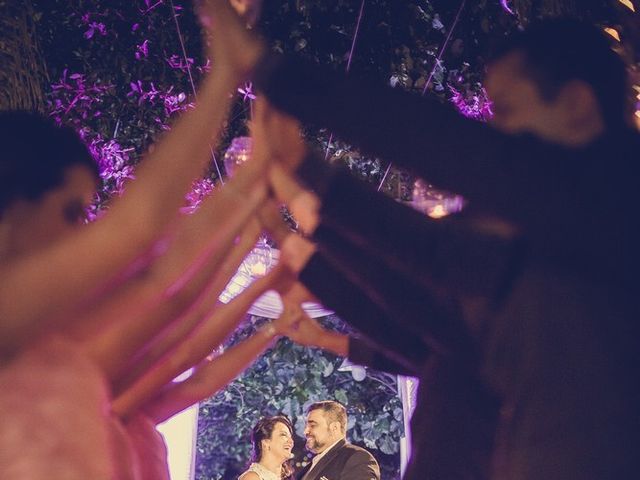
124	323
496	172
214	374
202	340
81	266
310	333
465	256
363	306
181	326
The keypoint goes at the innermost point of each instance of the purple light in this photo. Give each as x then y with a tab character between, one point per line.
142	50
476	106
200	189
507	8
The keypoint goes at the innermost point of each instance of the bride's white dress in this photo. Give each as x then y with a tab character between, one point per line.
262	472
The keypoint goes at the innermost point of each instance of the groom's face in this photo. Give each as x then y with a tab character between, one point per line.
317	432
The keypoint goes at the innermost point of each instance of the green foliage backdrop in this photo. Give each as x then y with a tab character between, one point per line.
286	380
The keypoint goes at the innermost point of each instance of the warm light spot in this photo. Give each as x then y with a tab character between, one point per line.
234	289
613	32
437	212
258	269
628	4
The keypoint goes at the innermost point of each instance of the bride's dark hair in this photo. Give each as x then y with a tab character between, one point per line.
263	431
36	155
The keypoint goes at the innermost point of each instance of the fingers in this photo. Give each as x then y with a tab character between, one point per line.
248	10
214	13
298	326
289	319
281	278
271	219
233	47
305	208
284	186
295	252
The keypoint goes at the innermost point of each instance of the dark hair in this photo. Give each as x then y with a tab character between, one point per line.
557	51
35	155
263	431
335	412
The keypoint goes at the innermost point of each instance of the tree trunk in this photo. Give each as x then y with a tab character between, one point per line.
22	69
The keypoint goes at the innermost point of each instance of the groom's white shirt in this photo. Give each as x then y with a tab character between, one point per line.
316	459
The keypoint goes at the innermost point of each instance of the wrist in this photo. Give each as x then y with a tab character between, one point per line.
254	192
337	343
295	252
223	78
305	209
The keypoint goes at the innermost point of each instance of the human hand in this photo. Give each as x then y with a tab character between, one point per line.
280	278
249	10
233	48
271	219
295	252
277	135
289	318
303	204
303	330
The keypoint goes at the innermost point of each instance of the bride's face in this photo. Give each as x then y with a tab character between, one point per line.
57	213
281	442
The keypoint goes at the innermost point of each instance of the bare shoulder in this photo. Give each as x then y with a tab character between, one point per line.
249	476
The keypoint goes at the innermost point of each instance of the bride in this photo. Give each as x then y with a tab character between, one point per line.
272	440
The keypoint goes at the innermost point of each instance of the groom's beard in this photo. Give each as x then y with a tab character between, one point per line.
314	446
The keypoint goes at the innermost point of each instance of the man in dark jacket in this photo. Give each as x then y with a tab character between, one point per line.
335	458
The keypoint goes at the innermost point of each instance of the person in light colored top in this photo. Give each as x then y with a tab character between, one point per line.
272	440
58	272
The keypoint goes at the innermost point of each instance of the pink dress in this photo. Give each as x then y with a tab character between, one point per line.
54	416
149	447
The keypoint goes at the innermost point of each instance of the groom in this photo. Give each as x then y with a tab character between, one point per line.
335	458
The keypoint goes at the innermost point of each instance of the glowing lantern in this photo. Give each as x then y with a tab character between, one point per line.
434	203
259	260
238	152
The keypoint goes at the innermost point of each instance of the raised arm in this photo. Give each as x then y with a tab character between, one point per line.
199	344
122	325
465	257
181	326
80	266
361	351
216	373
499	172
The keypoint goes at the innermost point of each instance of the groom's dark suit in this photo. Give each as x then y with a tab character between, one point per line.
343	462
